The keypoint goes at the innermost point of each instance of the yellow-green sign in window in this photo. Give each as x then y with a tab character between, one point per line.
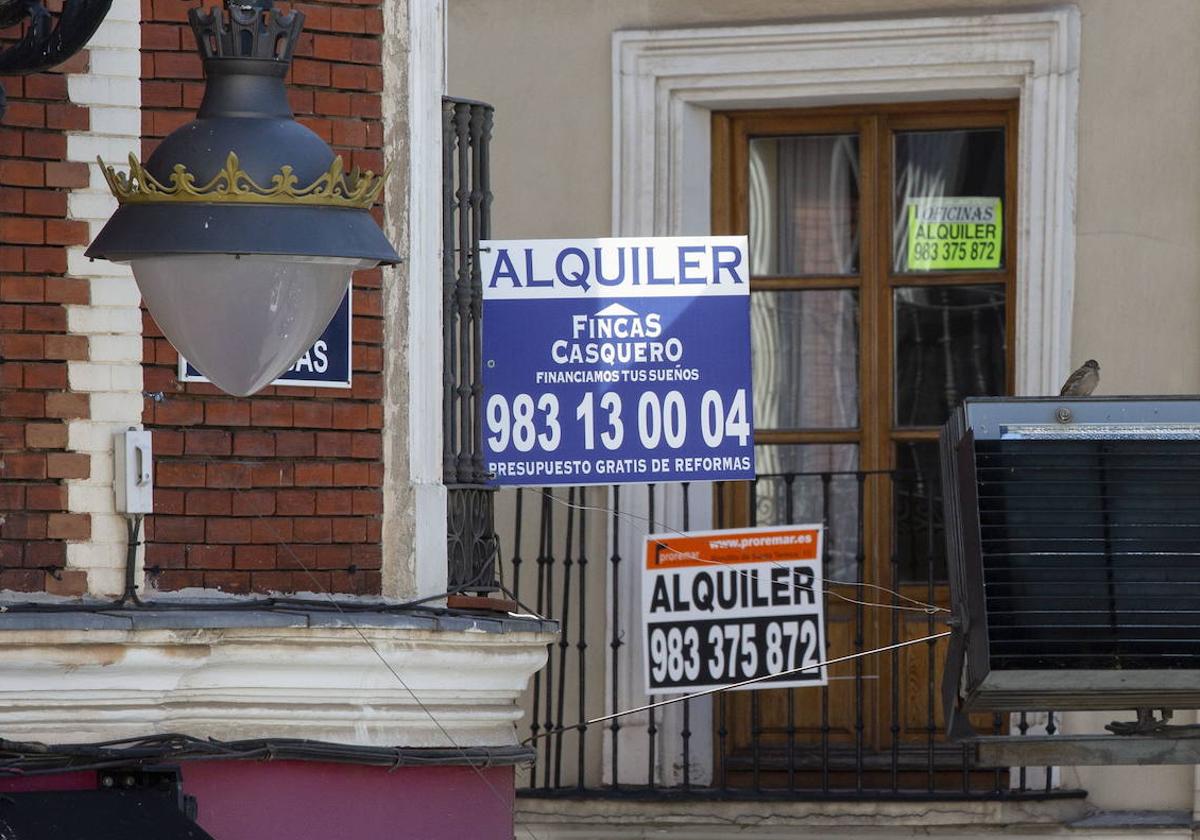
947	234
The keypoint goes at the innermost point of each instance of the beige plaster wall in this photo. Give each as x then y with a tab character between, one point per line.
546	66
1137	281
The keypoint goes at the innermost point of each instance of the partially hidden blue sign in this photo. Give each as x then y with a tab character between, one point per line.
616	361
327	364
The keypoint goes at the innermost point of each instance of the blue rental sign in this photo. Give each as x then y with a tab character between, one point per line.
616	361
327	364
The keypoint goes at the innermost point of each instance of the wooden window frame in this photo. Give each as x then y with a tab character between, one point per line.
875	282
877	435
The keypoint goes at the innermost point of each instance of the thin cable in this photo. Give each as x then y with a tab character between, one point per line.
225	605
921	606
499	564
510	807
32	757
706	692
528	610
133	523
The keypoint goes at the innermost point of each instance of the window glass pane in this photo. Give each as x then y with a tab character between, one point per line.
804	205
958	176
918	531
950	344
812	483
804	351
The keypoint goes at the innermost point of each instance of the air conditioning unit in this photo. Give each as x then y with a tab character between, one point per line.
1073	539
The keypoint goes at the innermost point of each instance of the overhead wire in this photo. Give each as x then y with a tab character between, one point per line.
233	605
917	605
35	758
742	684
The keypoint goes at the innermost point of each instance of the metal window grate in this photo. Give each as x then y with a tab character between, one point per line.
466	219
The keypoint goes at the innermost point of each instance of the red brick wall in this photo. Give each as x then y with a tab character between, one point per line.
280	491
35	402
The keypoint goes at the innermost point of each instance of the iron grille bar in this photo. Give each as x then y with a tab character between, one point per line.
722	729
686	734
651	727
1022	728
826	518
615	628
564	642
860	560
789	512
548	565
1050	730
895	657
932	646
516	552
755	712
581	645
462	288
540	561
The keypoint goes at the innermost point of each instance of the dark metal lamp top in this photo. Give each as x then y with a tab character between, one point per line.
246	30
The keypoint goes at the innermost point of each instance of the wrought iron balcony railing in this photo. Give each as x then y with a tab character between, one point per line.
876	730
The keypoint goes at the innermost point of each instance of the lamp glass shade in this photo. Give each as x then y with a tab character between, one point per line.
242	320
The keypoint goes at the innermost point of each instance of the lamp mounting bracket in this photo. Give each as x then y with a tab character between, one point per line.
49	39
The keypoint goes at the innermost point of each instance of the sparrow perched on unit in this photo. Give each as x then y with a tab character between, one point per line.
1082	382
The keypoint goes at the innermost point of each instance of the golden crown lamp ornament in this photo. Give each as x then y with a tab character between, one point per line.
335	188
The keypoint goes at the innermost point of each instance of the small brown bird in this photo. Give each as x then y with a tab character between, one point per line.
1082	382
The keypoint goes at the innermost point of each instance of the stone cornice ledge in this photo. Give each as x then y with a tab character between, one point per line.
97	676
684	819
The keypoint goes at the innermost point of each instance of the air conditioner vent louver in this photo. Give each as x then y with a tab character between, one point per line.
1074	552
1090	552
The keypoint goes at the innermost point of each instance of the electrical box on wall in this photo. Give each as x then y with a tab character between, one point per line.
133	476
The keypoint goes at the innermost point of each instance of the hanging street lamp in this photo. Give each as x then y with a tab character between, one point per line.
243	227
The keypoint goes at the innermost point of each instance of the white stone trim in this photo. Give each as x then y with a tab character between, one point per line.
426	85
623	818
284	682
414	522
112	374
667	82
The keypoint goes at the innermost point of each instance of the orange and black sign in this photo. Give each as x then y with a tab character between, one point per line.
721	607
